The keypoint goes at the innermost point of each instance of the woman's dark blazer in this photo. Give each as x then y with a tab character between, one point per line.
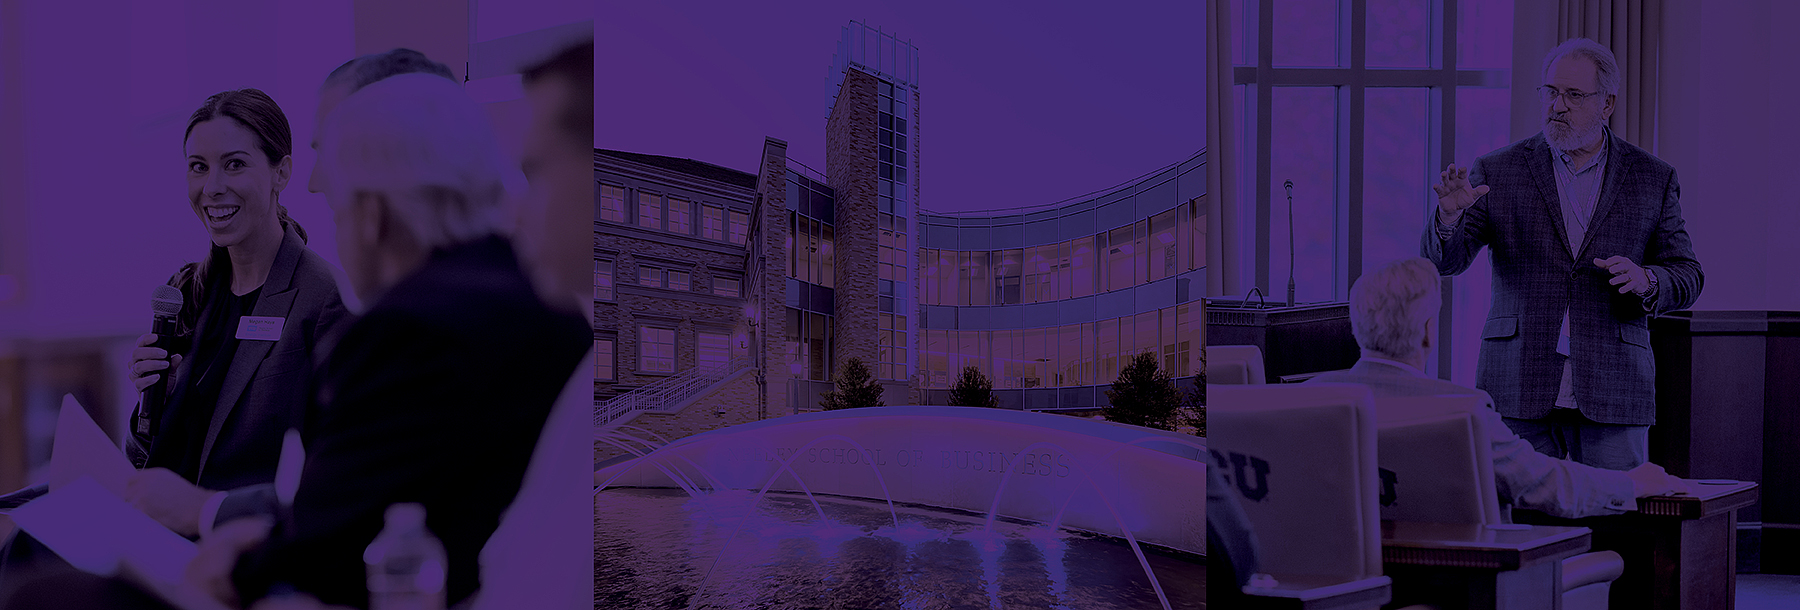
267	389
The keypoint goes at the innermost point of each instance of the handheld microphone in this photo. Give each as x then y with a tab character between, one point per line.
1290	194
165	305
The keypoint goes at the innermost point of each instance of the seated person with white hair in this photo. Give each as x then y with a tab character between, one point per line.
1393	314
439	392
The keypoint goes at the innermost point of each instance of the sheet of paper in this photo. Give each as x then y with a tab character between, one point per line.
82	450
99	533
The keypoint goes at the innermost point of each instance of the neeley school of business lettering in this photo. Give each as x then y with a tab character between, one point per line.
751	290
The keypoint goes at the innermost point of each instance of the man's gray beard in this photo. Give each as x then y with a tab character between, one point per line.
1570	139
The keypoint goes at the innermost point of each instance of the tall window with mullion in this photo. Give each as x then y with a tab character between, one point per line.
1360	132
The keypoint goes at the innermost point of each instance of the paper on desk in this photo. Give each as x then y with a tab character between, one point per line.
99	533
82	450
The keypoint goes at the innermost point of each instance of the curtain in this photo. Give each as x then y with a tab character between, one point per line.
1221	159
1633	30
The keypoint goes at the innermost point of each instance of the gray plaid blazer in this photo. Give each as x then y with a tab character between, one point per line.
1536	280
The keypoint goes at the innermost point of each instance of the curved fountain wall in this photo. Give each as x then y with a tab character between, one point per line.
1122	481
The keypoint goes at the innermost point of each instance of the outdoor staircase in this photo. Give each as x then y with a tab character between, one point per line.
669	391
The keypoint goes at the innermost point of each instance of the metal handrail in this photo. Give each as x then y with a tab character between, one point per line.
669	390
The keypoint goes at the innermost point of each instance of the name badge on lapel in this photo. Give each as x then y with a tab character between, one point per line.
260	328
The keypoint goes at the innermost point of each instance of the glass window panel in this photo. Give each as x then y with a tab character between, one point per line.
1163	253
656	349
1170	351
1122	259
714	227
1306	33
1484	35
649	276
1188	340
1106	351
726	287
603	279
1068	355
795	196
649	210
1008	267
740	227
796	337
816	326
1082	268
1400	34
948	274
603	360
1395	193
678	280
974	288
711	350
1198	228
612	203
1304	149
678	216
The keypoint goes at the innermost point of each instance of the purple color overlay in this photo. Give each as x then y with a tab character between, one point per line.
1020	106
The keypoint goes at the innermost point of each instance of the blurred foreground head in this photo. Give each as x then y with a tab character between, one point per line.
411	165
555	222
1394	309
361	72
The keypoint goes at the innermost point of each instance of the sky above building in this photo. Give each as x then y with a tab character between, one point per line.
1021	103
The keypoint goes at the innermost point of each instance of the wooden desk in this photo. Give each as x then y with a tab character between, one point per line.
1477	567
1314	594
1680	551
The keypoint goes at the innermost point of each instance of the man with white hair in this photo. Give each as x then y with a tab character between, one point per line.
1393	314
1587	242
438	393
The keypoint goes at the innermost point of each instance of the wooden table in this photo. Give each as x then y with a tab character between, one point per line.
1476	566
1680	551
1316	594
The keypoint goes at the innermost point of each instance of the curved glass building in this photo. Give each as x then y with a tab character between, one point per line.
1051	302
756	285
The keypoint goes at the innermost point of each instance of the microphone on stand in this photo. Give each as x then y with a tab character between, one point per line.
165	305
1290	194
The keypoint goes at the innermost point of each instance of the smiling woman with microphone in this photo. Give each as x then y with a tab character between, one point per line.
246	335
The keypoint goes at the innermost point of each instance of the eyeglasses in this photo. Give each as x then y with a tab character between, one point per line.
1548	94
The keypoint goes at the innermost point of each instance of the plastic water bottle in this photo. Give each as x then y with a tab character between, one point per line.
406	563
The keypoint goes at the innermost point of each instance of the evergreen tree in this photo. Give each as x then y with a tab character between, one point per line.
973	390
855	388
1143	395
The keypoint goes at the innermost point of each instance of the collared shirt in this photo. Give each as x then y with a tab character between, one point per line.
1578	192
1413	370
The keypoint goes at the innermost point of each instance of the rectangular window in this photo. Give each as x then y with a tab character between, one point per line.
603	360
827	264
740	227
678	280
649	210
612	203
603	279
678	217
1163	255
650	276
712	350
714	222
656	349
727	287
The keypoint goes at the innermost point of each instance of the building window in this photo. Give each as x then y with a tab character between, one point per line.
603	360
650	276
603	279
727	286
612	203
649	210
656	349
713	226
890	350
740	227
679	210
1326	123
678	280
712	350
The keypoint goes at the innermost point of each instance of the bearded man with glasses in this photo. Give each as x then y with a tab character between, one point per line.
1587	242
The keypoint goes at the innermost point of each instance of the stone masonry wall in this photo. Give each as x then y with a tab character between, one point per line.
850	163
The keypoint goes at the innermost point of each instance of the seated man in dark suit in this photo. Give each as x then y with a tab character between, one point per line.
438	393
1393	313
